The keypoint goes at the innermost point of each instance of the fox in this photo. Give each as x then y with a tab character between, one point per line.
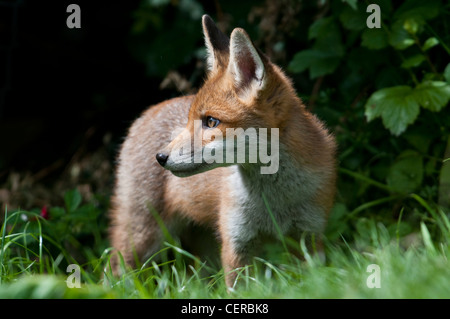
161	165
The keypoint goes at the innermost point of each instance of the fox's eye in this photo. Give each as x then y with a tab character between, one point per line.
211	122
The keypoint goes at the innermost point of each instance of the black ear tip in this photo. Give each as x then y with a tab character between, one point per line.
207	21
214	35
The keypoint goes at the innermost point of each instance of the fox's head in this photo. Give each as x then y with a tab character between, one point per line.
244	97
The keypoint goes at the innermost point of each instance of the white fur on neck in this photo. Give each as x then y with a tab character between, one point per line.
290	196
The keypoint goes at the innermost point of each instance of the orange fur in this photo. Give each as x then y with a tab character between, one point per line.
243	90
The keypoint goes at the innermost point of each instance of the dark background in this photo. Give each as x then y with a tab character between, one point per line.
62	83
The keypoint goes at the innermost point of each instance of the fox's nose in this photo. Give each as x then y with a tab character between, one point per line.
162	158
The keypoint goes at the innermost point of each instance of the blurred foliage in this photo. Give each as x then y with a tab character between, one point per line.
155	28
46	240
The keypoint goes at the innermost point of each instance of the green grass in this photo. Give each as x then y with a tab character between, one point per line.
413	264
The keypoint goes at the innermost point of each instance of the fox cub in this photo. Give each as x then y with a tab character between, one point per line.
198	176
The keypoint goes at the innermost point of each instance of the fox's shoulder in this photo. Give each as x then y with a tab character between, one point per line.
179	105
169	112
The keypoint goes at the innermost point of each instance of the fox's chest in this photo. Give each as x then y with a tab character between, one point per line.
266	206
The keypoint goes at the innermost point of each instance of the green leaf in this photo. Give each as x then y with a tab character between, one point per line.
57	212
301	61
318	27
352	3
336	225
327	35
432	95
374	39
326	53
319	62
418	9
411	26
413	61
429	43
399	38
85	213
418	138
353	19
72	199
395	105
447	73
323	67
406	174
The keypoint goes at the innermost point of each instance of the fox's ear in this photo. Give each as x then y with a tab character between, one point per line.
217	45
246	65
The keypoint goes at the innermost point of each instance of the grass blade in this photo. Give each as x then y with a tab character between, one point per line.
2	251
366	179
371	204
427	238
277	227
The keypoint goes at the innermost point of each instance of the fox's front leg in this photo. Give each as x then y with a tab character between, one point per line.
234	238
231	260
